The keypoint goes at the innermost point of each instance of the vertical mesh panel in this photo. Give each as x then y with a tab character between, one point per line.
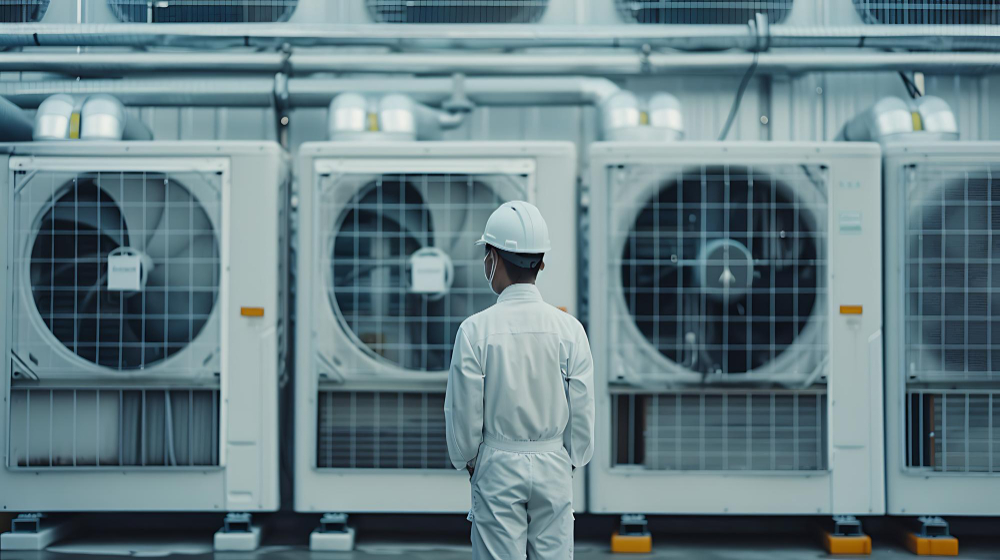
952	274
380	430
721	431
722	270
702	12
456	11
88	218
375	233
113	428
929	12
22	11
202	11
953	431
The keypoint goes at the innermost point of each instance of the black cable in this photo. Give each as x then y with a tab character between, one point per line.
739	97
911	87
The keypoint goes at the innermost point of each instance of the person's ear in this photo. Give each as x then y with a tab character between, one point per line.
541	267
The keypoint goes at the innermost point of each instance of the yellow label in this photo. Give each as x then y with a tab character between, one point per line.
252	311
643	117
918	124
850	310
372	122
74	126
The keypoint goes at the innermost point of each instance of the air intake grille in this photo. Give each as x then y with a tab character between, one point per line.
113	428
721	431
22	11
375	430
702	12
722	269
203	11
456	11
929	12
954	431
952	264
374	226
89	217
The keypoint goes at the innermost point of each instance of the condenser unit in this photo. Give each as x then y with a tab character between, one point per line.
143	325
736	328
387	271
23	11
942	290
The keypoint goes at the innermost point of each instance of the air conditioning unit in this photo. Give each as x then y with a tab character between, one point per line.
143	325
927	12
23	11
942	291
735	328
387	271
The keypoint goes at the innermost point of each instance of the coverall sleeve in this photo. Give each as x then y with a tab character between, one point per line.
463	403
580	396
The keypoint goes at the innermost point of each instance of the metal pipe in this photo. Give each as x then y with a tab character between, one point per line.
151	92
921	37
15	126
619	63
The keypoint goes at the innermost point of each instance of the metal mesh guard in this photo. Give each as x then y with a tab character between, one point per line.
202	11
456	11
22	11
702	12
955	431
929	12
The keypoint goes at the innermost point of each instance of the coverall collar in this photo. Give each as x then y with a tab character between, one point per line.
520	292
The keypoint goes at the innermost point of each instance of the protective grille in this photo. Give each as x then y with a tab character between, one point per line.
952	264
702	12
203	11
113	428
22	11
456	11
722	269
375	235
721	431
90	216
929	12
953	431
374	430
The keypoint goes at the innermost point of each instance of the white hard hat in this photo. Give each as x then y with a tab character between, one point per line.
517	227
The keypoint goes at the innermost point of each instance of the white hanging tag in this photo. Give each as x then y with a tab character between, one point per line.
124	271
428	273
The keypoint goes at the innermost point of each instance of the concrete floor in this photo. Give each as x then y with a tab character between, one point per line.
702	547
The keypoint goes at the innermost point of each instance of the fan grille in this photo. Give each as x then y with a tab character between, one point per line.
952	274
203	11
723	267
929	12
371	430
702	12
385	222
721	431
22	11
89	217
456	11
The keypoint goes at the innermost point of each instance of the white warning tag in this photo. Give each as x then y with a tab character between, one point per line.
124	272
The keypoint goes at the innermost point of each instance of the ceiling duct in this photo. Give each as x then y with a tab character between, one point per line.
893	119
93	117
625	117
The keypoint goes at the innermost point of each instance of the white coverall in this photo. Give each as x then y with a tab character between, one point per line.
520	408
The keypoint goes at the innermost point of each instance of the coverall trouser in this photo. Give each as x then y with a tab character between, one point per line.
522	494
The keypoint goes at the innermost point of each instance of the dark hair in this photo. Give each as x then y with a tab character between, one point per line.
519	274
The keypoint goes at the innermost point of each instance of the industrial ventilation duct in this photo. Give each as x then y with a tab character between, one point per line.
202	11
456	11
703	12
22	11
929	12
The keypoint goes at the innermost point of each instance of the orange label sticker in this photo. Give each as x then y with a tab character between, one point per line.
252	311
850	310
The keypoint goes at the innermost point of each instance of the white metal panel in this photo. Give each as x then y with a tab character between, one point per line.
851	483
942	420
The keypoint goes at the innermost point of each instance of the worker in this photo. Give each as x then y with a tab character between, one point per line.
519	407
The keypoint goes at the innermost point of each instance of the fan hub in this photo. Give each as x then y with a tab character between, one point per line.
725	269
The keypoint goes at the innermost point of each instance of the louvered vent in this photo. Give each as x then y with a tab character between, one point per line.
721	431
702	12
929	12
456	11
22	11
91	217
722	271
203	11
953	431
373	232
381	430
113	428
